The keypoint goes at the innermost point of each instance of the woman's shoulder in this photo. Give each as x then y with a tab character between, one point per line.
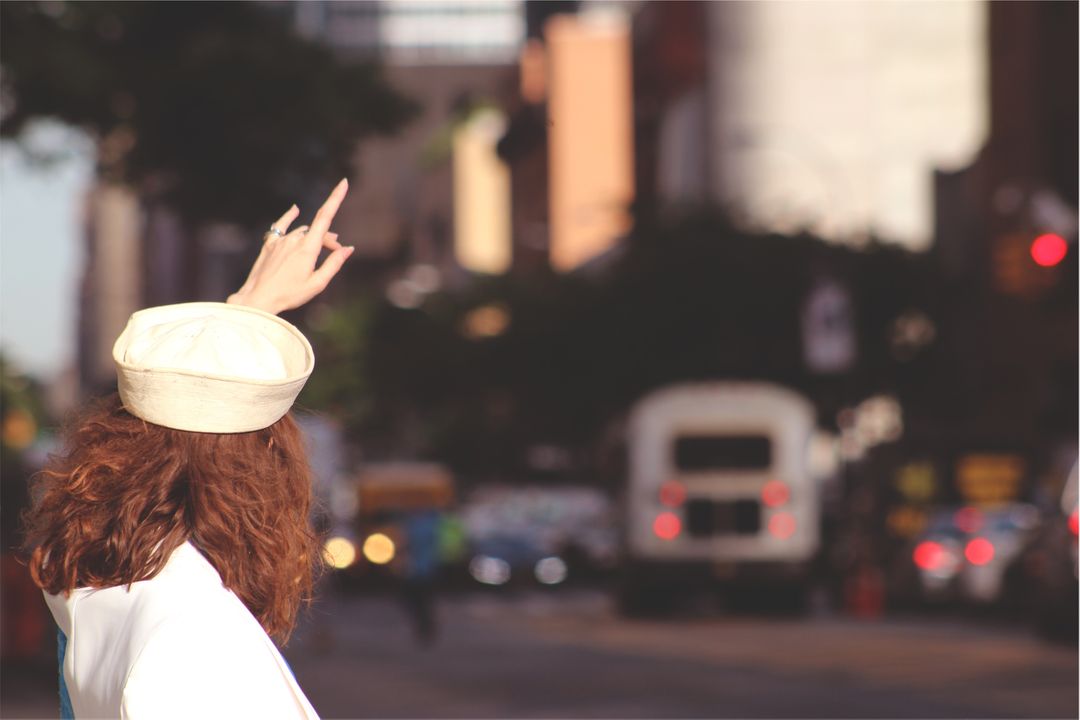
195	668
203	638
188	602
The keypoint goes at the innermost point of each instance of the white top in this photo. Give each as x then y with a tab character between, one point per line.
179	645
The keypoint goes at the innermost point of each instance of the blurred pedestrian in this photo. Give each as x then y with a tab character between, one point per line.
172	537
420	572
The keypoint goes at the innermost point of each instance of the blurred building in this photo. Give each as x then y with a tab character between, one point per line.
590	134
523	147
112	284
1024	178
569	142
432	194
451	192
417	32
1010	331
138	254
826	117
453	57
482	240
946	127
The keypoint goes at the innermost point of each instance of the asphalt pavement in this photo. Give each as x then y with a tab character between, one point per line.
568	655
551	655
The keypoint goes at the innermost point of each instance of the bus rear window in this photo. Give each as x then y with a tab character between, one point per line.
722	452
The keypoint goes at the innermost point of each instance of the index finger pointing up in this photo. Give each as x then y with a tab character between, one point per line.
326	213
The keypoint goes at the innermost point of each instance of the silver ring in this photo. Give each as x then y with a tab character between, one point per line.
274	231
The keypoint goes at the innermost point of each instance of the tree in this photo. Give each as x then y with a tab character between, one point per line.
684	299
219	109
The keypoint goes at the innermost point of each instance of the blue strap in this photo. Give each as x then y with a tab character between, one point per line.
66	713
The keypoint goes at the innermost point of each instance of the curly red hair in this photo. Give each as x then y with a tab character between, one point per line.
125	493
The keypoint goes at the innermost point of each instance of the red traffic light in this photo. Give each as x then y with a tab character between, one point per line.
1048	249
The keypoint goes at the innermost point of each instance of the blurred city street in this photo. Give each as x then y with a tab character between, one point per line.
569	655
691	359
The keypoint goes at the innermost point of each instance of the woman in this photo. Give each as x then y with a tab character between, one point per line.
172	537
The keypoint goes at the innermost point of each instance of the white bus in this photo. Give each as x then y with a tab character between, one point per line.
720	493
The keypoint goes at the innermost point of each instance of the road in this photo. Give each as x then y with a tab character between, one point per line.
567	655
570	656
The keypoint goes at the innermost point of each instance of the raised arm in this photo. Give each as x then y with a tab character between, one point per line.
284	275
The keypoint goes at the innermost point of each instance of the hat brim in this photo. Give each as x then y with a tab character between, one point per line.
206	402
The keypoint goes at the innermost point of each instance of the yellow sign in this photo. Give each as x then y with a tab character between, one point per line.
989	478
917	481
906	521
404	486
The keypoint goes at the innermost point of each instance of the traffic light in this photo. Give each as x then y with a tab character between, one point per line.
1048	249
1027	264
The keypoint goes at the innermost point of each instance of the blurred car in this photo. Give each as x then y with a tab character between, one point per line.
515	561
369	546
992	546
964	552
1042	580
572	523
931	569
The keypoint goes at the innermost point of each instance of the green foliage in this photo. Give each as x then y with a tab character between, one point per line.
218	107
19	392
339	331
23	419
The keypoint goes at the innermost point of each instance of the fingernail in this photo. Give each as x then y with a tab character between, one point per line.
293	207
344	181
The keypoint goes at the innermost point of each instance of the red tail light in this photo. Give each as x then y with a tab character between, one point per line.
979	551
929	555
1073	522
782	525
775	493
1049	249
672	493
667	526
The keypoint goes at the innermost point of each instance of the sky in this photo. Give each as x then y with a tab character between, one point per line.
41	249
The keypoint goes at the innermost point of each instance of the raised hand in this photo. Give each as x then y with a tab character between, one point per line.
284	275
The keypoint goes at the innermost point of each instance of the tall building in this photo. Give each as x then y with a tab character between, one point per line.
827	117
1010	331
454	59
482	240
570	138
417	32
590	134
113	282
